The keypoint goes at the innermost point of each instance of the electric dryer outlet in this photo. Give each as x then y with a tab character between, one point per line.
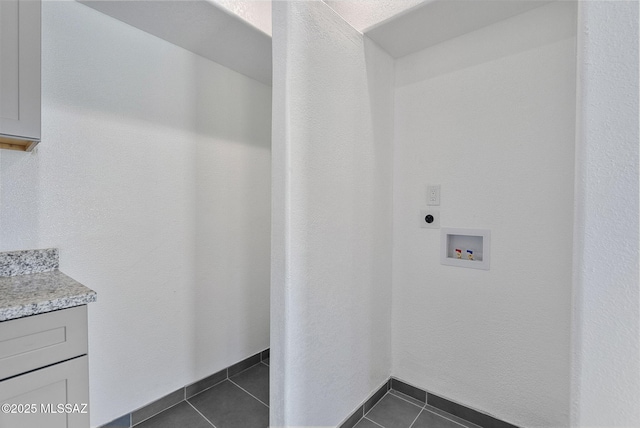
430	219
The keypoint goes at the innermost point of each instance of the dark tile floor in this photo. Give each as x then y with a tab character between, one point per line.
396	410
242	401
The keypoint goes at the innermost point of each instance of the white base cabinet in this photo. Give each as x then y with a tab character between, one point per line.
53	397
44	375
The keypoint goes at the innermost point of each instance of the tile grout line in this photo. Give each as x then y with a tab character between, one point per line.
218	383
404	399
433	410
372	421
374	406
414	421
364	403
422	408
184	394
205	418
444	417
155	414
244	370
249	393
466	423
204	390
199	392
426	394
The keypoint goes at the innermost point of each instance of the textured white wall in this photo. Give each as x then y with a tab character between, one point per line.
153	180
606	382
331	239
490	116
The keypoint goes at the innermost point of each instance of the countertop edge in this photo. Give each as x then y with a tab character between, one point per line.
21	311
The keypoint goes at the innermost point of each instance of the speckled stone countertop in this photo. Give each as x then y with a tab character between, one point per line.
38	286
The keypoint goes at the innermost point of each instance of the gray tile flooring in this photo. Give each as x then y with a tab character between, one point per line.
242	401
397	410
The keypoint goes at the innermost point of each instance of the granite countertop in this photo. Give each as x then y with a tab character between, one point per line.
31	284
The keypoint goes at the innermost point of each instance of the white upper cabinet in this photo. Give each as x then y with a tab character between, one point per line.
19	74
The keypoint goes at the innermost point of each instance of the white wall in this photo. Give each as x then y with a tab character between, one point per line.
153	180
331	239
490	116
606	382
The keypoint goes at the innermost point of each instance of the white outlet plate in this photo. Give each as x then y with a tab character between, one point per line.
436	219
433	195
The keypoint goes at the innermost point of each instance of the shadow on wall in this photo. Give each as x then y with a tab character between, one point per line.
162	83
16	188
525	34
332	240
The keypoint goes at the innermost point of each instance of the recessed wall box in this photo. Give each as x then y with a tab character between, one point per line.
470	248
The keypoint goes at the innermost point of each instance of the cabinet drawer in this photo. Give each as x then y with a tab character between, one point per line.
34	398
40	340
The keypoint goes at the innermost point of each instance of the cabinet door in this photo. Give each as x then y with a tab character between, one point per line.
41	391
20	69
